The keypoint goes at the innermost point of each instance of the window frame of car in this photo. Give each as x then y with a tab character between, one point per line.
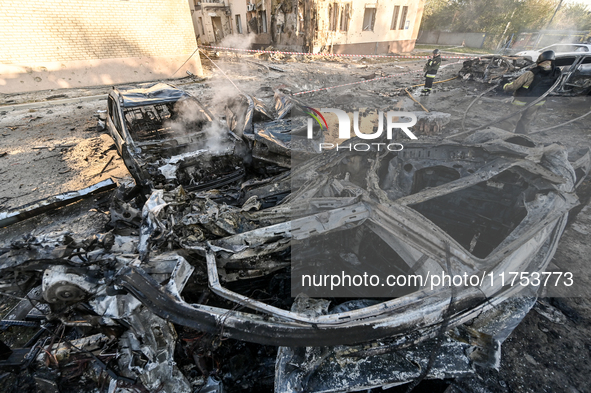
117	121
556	47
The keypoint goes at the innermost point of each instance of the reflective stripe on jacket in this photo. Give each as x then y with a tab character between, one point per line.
432	65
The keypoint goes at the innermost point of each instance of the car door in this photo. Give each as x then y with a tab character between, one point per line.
114	123
578	78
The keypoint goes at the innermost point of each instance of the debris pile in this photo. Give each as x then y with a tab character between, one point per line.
576	71
488	69
190	280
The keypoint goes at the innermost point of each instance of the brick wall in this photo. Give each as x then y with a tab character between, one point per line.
74	43
65	30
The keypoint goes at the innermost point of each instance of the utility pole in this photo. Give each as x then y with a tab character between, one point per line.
549	23
506	28
555	12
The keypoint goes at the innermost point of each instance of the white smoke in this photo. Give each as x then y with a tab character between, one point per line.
190	119
238	41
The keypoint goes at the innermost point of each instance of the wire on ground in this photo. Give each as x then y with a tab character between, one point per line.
222	71
561	124
422	84
498	120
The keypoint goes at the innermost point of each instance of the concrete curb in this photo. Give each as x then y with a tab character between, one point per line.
41	104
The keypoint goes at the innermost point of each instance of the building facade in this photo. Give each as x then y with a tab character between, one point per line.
78	43
353	26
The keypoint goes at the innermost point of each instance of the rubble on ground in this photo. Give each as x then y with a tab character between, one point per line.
182	289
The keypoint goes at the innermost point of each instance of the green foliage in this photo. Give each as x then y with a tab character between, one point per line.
575	16
496	17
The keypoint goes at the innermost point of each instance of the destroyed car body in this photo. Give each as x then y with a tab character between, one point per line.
167	138
496	202
576	71
273	135
575	79
492	68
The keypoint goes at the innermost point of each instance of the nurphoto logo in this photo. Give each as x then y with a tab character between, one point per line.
402	122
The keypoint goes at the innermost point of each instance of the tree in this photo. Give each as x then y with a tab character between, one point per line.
489	16
575	16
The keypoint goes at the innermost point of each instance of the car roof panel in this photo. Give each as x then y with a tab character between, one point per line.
149	93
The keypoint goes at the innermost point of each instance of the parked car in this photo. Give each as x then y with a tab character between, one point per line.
557	48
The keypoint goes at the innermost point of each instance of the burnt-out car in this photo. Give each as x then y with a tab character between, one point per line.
166	138
195	281
577	74
575	67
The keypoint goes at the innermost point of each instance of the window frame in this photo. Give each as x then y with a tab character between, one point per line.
395	15
403	16
238	22
344	17
372	24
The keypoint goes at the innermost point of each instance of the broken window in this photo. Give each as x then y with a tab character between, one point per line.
579	80
263	16
369	19
566	62
162	121
395	17
344	22
403	17
201	26
253	25
333	14
238	25
218	30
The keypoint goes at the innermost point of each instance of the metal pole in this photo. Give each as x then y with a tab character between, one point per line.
549	23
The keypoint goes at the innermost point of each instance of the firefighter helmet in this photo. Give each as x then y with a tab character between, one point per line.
435	52
548	55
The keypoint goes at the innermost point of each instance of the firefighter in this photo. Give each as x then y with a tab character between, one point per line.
528	87
431	70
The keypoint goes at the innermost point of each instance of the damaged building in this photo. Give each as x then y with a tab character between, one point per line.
345	27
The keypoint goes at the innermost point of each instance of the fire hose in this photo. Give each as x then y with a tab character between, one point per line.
422	84
536	101
561	124
474	100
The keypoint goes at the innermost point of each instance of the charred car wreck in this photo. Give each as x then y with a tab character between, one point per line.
188	287
167	138
576	71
